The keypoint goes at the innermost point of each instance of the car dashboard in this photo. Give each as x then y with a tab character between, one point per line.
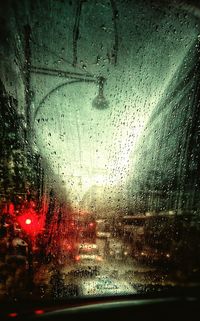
177	305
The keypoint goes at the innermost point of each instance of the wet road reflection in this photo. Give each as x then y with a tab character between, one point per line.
111	277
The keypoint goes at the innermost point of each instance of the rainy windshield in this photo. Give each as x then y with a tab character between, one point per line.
100	142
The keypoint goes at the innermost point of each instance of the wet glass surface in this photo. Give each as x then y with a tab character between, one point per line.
100	141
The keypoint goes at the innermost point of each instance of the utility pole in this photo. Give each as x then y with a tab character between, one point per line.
27	70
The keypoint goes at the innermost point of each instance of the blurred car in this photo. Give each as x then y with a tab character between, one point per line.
102	234
87	246
133	227
103	228
88	257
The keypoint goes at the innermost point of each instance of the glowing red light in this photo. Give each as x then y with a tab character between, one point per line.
31	222
91	224
39	312
77	257
28	221
12	315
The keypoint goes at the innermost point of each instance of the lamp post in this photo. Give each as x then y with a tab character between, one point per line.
99	102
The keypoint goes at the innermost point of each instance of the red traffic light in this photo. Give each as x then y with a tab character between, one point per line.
31	222
28	221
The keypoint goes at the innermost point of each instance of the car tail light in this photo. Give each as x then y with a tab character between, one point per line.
91	224
13	315
37	312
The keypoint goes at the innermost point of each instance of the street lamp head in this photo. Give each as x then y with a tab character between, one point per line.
99	101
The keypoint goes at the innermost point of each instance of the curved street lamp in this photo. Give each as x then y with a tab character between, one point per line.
99	102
